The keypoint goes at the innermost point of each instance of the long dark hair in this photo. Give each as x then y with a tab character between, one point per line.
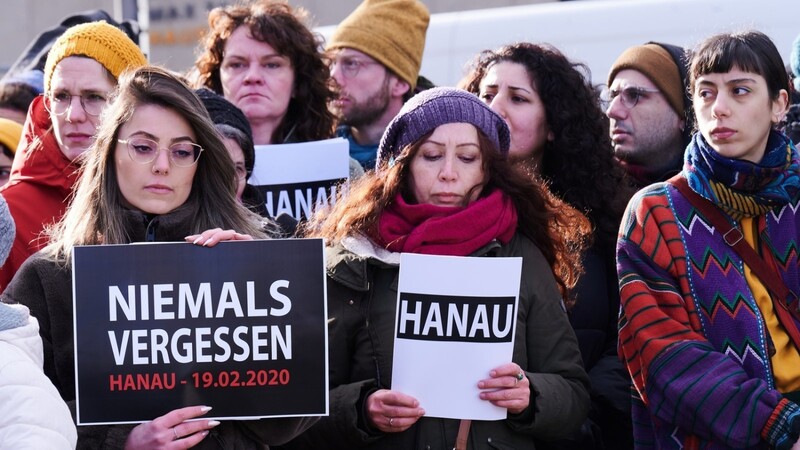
578	164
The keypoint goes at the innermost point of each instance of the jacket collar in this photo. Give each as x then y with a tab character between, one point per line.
44	165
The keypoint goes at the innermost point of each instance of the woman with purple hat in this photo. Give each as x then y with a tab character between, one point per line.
443	186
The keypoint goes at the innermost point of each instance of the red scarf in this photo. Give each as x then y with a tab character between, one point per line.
443	230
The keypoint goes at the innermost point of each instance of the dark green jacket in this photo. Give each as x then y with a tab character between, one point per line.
362	295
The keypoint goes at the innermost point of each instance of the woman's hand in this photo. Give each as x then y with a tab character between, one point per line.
173	430
507	388
210	238
391	411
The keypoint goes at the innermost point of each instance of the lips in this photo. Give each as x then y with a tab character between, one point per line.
158	189
447	198
722	133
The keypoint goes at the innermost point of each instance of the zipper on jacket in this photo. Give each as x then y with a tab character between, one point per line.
150	232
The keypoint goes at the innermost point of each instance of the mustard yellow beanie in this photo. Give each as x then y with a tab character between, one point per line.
390	31
100	41
656	63
10	134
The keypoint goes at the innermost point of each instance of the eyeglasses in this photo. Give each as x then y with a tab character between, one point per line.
92	102
629	96
350	66
145	151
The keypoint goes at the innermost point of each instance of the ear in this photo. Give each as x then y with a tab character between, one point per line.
399	87
780	106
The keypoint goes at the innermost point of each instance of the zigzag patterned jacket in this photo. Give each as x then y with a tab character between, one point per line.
691	333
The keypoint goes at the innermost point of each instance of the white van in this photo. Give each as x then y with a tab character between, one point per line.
595	32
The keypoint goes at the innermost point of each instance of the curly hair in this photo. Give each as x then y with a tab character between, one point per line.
560	232
578	165
284	29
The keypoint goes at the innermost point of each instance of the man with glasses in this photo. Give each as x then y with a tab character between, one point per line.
375	54
649	111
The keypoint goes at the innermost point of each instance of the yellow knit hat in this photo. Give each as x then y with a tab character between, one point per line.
100	41
656	63
390	31
10	134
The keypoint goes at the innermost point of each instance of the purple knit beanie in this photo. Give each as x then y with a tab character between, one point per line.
438	106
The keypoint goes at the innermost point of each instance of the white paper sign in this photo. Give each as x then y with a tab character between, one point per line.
298	178
455	321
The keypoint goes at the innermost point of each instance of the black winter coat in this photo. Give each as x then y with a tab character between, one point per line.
45	288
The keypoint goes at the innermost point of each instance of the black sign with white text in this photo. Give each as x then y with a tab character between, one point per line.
240	327
300	200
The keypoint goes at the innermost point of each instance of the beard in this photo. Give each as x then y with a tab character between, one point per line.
366	112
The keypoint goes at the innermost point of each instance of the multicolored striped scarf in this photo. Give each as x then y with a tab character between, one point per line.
741	188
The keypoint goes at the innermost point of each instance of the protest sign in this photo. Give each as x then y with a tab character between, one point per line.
240	327
296	179
455	321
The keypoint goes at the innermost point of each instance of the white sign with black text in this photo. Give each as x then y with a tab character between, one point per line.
455	322
296	179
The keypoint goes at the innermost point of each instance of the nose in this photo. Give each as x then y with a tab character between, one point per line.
720	107
161	163
448	169
75	112
336	74
498	105
253	75
616	110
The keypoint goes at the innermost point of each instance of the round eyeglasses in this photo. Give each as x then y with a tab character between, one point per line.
349	66
91	102
145	151
629	96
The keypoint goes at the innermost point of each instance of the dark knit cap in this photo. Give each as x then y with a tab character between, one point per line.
224	112
438	106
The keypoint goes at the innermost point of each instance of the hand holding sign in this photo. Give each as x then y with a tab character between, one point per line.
176	425
392	411
507	388
210	238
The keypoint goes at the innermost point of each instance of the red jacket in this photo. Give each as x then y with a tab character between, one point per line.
37	192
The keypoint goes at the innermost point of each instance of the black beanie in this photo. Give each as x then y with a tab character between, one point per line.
224	112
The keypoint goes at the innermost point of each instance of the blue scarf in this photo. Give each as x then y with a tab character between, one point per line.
741	188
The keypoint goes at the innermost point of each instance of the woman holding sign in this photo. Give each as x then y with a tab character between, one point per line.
444	186
158	171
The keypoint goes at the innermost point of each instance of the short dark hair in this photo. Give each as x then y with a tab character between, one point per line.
17	96
750	51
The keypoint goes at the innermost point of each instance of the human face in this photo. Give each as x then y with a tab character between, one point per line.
157	187
735	113
508	90
77	76
363	87
5	166
237	155
256	78
447	169
649	134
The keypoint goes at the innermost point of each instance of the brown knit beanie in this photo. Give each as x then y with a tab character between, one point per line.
390	31
656	64
100	41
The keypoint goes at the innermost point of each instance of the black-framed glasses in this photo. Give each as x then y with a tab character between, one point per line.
145	151
91	102
350	65
629	96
